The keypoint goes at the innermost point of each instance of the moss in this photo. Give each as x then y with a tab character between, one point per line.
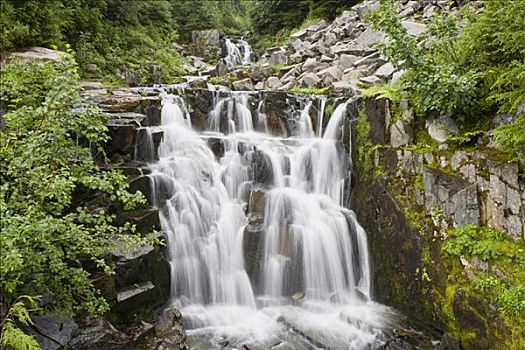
310	91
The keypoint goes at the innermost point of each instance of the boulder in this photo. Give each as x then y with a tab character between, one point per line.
278	57
206	42
385	71
362	44
51	332
330	75
38	54
273	83
442	128
299	34
346	61
309	80
414	28
100	335
243	85
454	195
345	88
310	65
142	278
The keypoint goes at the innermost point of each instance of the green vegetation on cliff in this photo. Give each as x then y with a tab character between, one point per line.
48	136
472	66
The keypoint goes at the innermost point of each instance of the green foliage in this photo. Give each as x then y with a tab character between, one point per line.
310	91
505	256
467	71
474	240
13	337
47	237
437	86
391	91
511	137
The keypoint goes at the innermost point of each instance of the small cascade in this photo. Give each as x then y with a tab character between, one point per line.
312	270
238	53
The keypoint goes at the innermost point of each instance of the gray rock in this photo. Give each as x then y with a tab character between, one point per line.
309	65
51	332
366	8
346	61
401	133
385	71
370	80
278	57
458	159
452	194
309	80
398	75
364	41
330	74
343	87
243	85
100	335
299	34
442	128
414	28
272	83
38	54
406	12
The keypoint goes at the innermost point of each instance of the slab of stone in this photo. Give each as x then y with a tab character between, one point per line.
243	85
414	28
346	61
309	80
385	71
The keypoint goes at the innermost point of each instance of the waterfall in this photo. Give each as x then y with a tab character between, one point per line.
238	53
312	274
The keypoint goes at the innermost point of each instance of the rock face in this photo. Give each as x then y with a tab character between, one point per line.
444	190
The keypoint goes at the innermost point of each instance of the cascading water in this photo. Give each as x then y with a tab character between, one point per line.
312	287
237	53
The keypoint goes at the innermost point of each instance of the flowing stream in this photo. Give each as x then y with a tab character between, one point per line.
308	283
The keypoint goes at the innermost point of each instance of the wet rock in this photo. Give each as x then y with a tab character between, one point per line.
142	278
100	335
253	246
51	332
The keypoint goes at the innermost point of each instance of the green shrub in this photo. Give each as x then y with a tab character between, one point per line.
45	156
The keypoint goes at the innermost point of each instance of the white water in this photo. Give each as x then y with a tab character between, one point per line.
237	54
314	271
